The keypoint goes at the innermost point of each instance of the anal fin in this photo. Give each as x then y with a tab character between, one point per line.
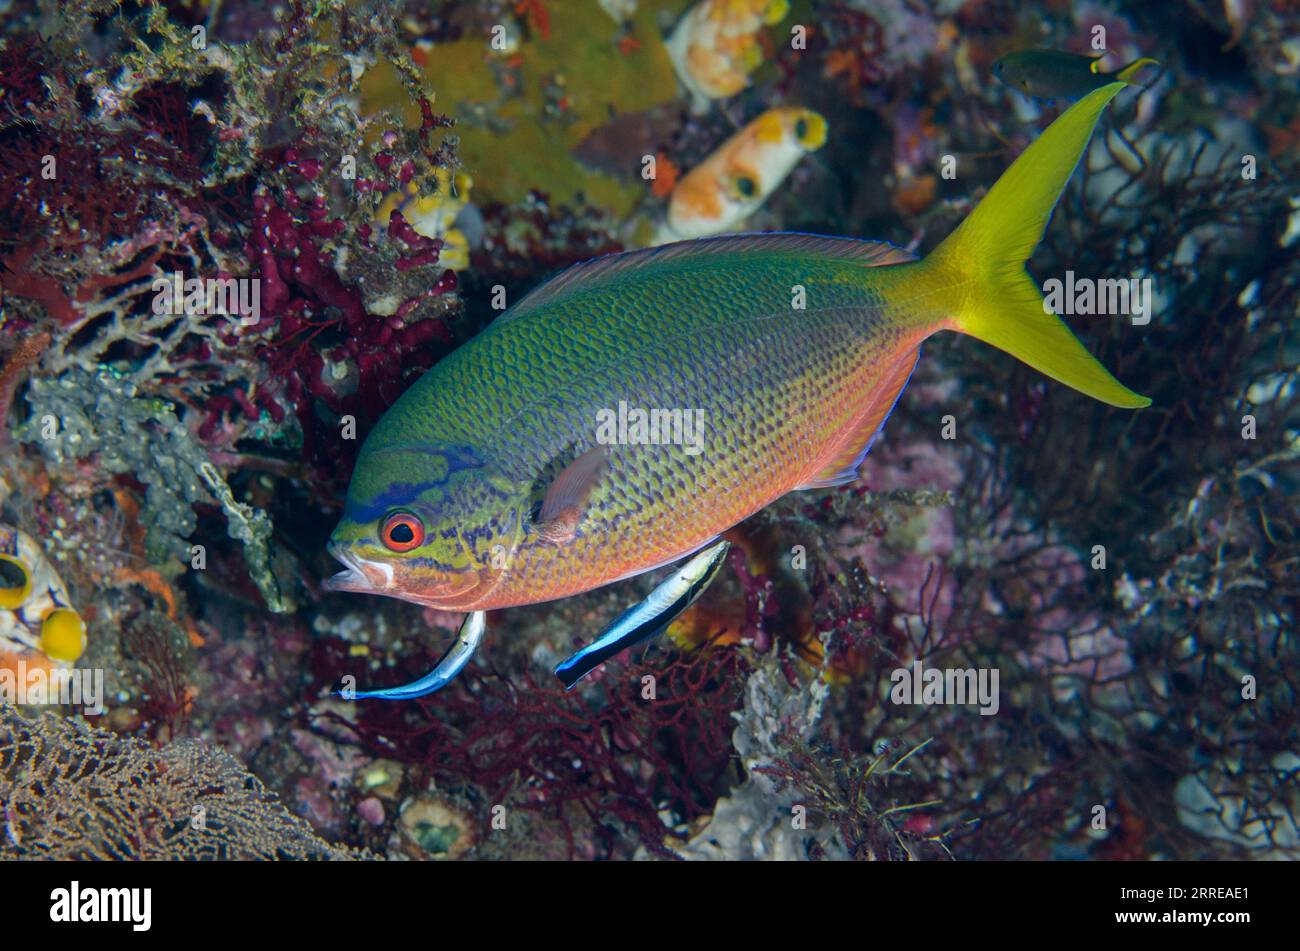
843	467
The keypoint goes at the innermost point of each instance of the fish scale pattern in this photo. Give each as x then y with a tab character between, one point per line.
715	339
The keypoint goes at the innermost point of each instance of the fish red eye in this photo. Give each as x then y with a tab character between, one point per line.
401	531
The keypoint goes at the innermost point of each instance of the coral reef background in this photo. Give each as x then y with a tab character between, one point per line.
390	172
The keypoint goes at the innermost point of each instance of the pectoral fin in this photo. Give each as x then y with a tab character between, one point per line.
649	618
452	663
567	497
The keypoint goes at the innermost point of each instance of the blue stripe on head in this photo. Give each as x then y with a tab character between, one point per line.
374	492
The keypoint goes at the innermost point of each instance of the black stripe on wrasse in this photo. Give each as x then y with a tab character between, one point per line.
650	617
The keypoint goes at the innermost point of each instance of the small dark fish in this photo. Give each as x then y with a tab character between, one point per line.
1055	74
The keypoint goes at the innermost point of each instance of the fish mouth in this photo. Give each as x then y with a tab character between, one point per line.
361	576
353	577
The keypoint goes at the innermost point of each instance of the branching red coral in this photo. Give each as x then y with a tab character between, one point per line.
605	758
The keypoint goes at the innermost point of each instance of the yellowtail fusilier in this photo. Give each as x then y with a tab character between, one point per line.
485	486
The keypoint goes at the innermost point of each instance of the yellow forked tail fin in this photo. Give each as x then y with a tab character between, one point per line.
981	266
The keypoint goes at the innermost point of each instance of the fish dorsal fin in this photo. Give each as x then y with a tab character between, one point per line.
867	253
842	467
